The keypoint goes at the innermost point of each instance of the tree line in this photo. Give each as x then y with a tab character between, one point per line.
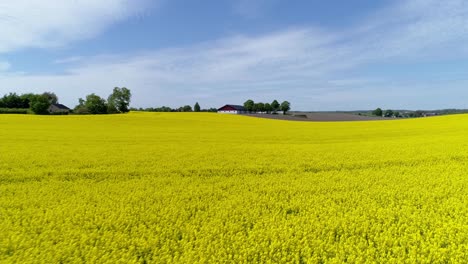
117	102
185	108
273	107
396	114
387	113
28	102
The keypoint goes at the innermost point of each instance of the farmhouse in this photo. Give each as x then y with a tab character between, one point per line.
58	108
232	109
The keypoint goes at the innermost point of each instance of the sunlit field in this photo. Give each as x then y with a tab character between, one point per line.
189	188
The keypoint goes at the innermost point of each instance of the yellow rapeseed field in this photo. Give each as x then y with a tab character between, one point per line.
212	188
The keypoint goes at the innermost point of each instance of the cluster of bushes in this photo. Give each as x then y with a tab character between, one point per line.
185	108
252	107
405	114
13	103
117	102
386	113
14	111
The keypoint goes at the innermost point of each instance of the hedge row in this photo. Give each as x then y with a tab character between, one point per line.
14	111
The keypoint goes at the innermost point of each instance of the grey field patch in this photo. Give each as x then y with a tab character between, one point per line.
320	117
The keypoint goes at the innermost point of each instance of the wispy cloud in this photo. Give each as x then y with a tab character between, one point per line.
53	23
4	66
312	67
72	59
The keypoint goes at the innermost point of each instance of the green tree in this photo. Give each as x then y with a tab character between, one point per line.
196	108
261	107
249	105
187	108
27	99
268	108
40	105
12	100
81	107
255	108
388	113
52	97
377	112
285	107
95	104
163	109
119	100
275	106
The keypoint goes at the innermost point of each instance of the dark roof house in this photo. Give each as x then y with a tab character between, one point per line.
232	109
58	108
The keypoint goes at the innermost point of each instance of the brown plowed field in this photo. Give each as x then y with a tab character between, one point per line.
320	117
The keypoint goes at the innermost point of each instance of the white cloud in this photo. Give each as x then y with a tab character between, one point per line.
4	66
67	60
419	28
52	23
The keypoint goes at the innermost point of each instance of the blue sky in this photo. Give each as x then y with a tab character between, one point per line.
319	55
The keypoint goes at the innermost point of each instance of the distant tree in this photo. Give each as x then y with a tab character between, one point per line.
40	104
81	107
388	113
377	112
418	113
165	109
397	114
249	105
255	108
119	100
95	104
186	108
12	100
27	99
196	107
52	97
268	108
261	107
275	106
285	107
159	109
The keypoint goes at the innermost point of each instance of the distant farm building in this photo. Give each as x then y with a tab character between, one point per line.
232	109
58	109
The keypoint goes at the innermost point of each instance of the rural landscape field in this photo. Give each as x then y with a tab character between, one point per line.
212	188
